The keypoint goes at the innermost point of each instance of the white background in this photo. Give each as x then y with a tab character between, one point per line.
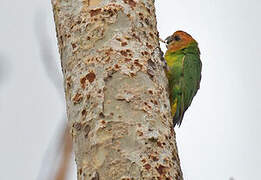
220	134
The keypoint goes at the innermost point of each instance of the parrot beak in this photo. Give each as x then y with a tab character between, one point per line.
169	39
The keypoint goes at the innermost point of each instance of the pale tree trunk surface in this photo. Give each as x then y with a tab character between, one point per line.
116	90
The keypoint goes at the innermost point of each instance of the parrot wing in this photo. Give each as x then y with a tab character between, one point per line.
192	77
189	83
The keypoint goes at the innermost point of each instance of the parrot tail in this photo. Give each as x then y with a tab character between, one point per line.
179	114
177	120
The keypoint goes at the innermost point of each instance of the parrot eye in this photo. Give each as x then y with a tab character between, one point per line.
172	38
177	38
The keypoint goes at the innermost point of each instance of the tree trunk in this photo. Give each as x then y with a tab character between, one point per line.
116	90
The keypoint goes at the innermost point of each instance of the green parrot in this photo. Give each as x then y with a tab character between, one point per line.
183	72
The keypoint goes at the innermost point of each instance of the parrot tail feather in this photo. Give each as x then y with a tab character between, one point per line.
177	121
178	117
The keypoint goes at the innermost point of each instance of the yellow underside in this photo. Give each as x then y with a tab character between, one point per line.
170	59
174	108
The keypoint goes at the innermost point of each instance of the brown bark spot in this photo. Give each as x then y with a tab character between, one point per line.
80	171
109	12
171	131
151	73
124	53
140	133
83	81
159	144
124	44
95	12
127	60
61	39
87	129
147	166
102	115
151	35
96	176
109	51
136	62
132	74
88	97
147	21
116	66
161	169
68	82
136	37
148	10
108	59
153	139
83	112
154	158
165	160
145	53
91	76
73	45
149	46
77	126
77	98
146	104
131	3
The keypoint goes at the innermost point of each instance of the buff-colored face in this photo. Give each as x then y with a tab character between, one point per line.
178	40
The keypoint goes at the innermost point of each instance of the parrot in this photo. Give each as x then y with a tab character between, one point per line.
183	72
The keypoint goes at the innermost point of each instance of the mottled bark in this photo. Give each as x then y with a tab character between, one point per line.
116	90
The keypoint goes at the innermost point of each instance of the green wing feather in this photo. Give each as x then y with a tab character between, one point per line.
184	78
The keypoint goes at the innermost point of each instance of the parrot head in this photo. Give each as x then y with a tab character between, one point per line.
178	41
